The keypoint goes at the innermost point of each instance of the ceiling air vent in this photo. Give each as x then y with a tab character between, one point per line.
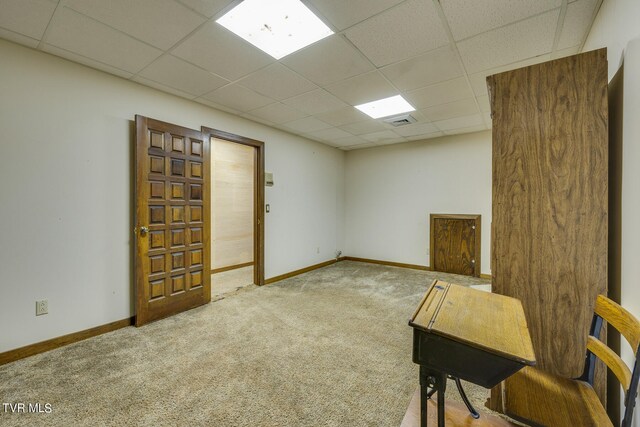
401	120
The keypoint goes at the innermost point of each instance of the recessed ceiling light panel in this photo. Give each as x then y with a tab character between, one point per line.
278	27
386	107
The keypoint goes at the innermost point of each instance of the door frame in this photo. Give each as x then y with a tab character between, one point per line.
258	196
478	235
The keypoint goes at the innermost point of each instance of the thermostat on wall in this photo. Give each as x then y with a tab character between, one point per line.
268	179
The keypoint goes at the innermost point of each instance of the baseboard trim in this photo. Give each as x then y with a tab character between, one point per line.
389	263
397	264
43	346
231	267
298	272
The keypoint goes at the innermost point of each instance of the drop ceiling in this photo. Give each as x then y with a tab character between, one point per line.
435	53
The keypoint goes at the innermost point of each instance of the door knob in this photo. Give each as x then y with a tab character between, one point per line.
144	230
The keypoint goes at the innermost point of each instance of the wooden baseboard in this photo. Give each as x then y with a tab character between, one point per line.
231	267
389	263
397	264
298	272
41	347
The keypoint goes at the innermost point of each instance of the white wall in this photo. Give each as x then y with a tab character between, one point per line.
65	198
391	190
616	27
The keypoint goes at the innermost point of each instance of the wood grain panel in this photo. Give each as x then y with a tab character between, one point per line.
455	244
233	169
550	168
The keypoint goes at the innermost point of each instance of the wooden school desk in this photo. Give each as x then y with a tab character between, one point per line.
467	334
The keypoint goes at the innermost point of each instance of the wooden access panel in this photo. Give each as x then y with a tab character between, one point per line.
455	244
172	219
550	169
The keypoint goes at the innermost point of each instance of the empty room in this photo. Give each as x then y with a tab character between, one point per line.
320	213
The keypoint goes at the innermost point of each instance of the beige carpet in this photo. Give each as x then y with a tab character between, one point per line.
229	281
328	348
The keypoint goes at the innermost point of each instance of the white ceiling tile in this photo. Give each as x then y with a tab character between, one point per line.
366	87
86	61
348	141
27	17
565	52
425	136
277	113
238	97
479	83
479	80
441	93
163	88
181	75
515	42
483	101
18	38
329	134
458	131
258	119
465	107
342	116
329	60
468	18
362	128
391	141
488	121
278	82
577	21
343	14
459	122
416	129
76	33
433	67
383	136
306	125
216	49
399	33
217	106
207	8
359	146
315	102
161	23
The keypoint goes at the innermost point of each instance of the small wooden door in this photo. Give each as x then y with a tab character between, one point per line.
172	220
455	244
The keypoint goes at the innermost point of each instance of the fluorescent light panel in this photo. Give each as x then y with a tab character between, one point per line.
278	27
386	107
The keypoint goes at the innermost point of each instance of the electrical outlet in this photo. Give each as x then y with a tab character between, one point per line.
318	250
42	307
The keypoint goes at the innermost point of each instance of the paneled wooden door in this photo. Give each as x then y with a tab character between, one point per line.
455	244
172	259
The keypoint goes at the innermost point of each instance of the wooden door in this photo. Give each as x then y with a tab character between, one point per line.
455	244
172	220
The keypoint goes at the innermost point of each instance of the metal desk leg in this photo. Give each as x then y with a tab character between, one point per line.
424	391
441	385
470	407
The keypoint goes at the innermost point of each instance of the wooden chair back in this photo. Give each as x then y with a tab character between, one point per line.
629	327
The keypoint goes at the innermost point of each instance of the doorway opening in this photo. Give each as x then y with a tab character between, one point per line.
237	198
